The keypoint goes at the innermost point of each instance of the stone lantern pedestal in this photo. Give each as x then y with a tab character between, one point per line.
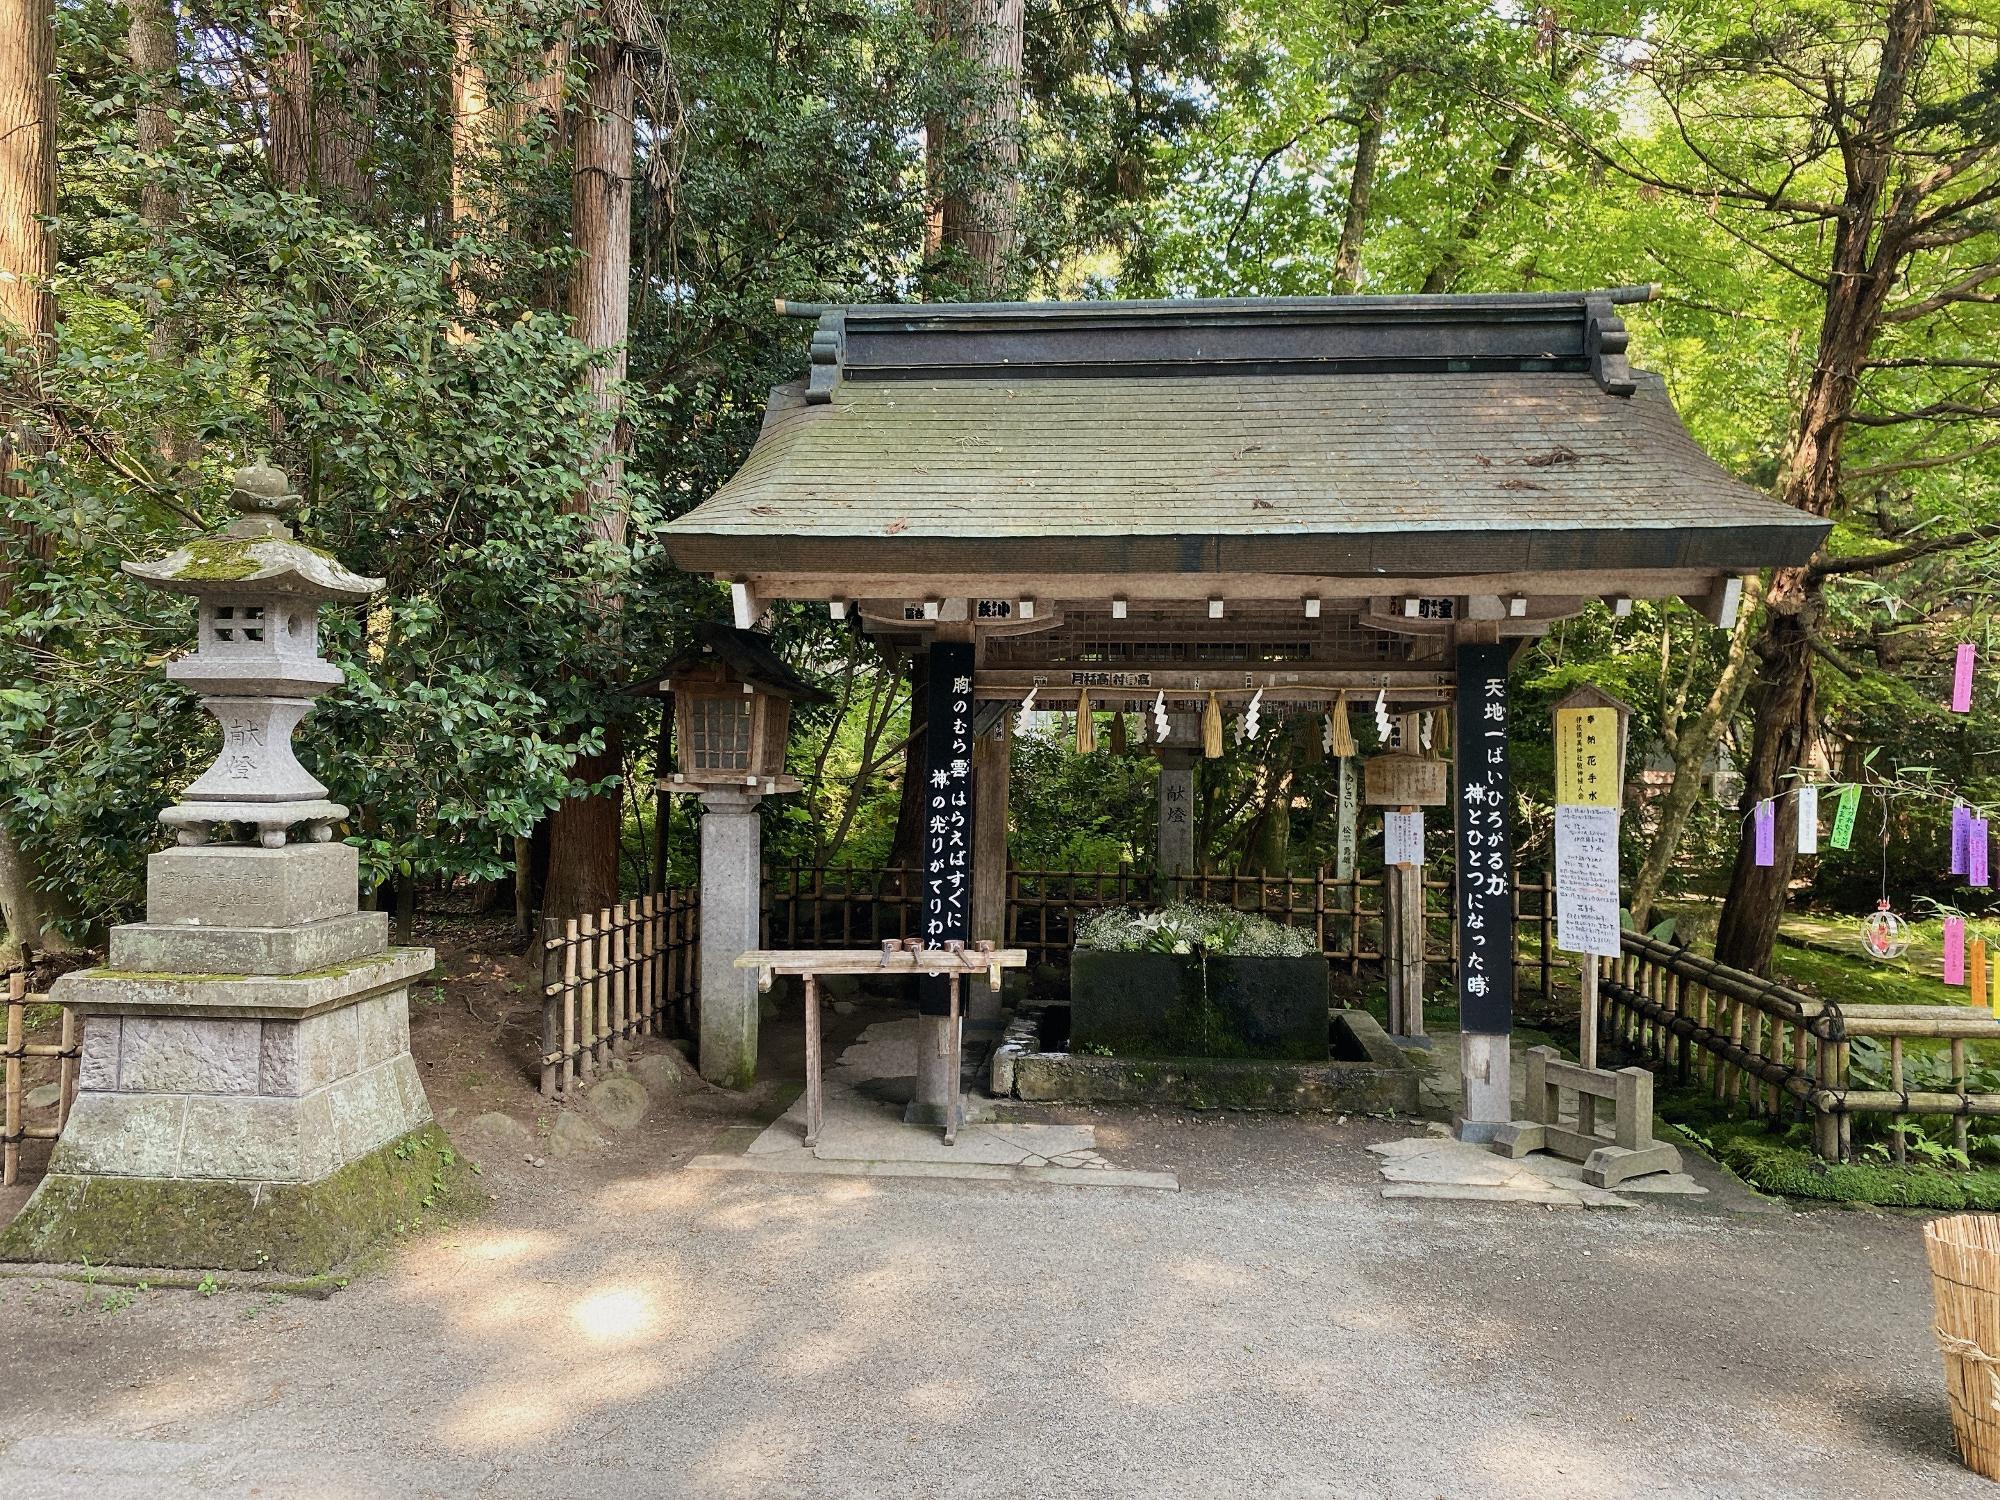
247	1097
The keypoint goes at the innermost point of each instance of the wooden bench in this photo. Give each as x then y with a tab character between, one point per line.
896	956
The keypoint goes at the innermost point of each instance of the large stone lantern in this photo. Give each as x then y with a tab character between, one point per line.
247	1095
257	666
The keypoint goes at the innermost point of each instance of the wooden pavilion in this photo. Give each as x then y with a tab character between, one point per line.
1172	503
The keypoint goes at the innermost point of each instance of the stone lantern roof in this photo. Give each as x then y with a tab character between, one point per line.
257	553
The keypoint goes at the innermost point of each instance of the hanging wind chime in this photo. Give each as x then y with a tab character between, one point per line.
1884	935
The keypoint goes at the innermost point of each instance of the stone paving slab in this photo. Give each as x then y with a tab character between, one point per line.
862	1132
806	1164
1437	1166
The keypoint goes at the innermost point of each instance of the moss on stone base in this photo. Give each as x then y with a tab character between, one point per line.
303	1229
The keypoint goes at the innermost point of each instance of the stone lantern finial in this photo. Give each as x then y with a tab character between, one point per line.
257	666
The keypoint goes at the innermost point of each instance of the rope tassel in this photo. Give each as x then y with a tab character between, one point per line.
1341	742
1211	729
1086	723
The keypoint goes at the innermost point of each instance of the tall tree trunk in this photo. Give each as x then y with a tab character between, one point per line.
1862	272
28	910
1692	744
318	135
1450	265
974	163
472	114
1371	106
583	831
153	43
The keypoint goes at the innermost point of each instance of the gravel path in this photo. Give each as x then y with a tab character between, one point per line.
1273	1329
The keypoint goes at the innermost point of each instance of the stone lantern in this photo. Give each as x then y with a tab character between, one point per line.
248	1099
732	704
257	666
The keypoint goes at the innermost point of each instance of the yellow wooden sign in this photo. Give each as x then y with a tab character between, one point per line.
1588	773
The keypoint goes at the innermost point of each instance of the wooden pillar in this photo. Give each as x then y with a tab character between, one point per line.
1403	925
992	756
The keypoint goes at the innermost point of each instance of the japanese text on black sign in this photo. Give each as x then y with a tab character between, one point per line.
947	913
1485	844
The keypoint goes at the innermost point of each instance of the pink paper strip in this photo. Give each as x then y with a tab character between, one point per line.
1961	836
1764	819
1954	950
1978	845
1961	680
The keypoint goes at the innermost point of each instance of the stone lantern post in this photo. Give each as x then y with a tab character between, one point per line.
247	1094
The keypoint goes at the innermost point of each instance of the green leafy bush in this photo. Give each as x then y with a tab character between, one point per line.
1186	926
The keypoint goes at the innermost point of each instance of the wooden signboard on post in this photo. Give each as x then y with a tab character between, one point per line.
1400	779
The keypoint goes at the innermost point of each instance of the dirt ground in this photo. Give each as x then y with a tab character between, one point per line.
616	1325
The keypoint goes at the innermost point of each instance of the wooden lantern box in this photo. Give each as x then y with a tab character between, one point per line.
732	713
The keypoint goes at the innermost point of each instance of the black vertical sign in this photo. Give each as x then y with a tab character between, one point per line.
1485	844
947	843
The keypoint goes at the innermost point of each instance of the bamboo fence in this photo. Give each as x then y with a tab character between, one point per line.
1769	1050
16	1053
612	976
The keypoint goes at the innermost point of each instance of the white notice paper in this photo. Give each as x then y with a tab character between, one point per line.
1587	879
1403	838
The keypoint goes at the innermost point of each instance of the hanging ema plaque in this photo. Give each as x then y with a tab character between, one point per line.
1485	846
947	914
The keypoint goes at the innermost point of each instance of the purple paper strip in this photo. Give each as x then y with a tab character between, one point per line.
1954	950
1978	843
1961	680
1961	836
1765	819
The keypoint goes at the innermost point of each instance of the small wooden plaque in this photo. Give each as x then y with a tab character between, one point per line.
1399	779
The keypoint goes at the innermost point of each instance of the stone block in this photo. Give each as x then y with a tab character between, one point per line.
160	948
130	1135
97	1068
246	1140
234	886
375	1105
188	1054
1269	1007
210	1223
383	1022
329	1047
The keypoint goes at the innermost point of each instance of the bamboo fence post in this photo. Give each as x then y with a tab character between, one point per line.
1897	1146
607	1030
1548	931
650	970
584	957
625	1000
1961	1127
10	1150
68	1066
551	1006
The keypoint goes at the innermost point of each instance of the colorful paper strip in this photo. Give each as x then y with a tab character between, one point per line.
1961	680
1978	846
1764	818
1961	836
1808	818
1843	815
1954	950
1976	958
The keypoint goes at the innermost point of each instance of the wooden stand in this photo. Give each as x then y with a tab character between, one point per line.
955	961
